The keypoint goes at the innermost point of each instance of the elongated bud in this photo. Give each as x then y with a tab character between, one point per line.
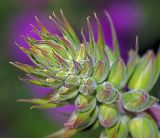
144	73
119	130
67	93
88	86
106	93
62	75
48	82
123	129
117	74
80	55
84	103
101	71
132	60
76	67
142	127
72	81
87	69
137	100
63	133
82	120
108	115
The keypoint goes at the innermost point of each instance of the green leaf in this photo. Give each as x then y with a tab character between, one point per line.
137	100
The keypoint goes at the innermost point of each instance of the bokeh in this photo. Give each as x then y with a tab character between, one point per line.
130	18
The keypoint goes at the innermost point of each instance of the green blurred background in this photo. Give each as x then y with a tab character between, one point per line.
16	119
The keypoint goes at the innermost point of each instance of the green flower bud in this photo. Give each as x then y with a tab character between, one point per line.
48	82
123	129
67	93
106	93
119	130
72	81
87	69
101	71
61	75
88	86
92	74
117	74
84	103
108	115
142	127
144	74
82	120
137	100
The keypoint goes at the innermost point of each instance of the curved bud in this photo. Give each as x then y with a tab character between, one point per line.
48	82
33	70
119	130
123	129
63	133
76	68
67	93
91	45
106	93
85	103
82	120
132	61
142	127
44	102
64	65
88	86
144	73
62	75
110	132
117	74
108	115
99	48
101	71
137	100
80	54
72	81
87	69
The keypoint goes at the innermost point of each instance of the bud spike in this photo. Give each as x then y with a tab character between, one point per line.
114	36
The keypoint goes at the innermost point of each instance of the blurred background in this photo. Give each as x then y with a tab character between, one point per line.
131	18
